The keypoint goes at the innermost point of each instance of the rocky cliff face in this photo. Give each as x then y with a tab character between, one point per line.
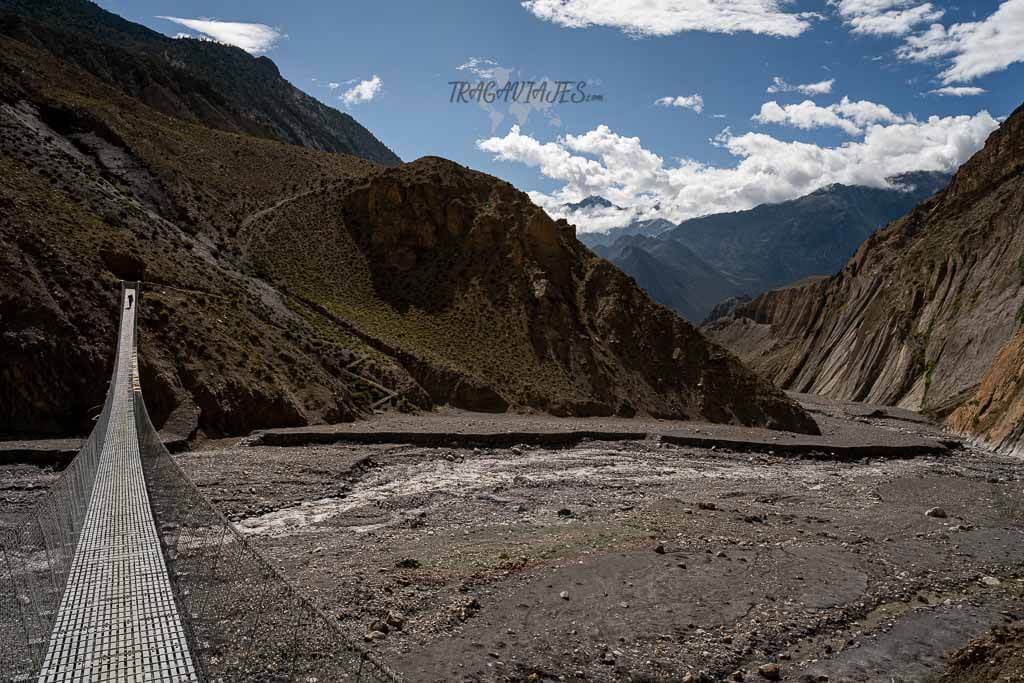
926	314
993	415
461	274
286	286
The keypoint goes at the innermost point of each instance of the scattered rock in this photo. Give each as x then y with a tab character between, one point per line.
395	620
937	513
991	581
770	671
660	549
707	506
699	677
408	563
564	595
464	612
374	635
565	512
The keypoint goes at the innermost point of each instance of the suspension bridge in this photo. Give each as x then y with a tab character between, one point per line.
126	572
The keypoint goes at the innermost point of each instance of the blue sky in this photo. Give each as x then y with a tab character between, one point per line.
651	159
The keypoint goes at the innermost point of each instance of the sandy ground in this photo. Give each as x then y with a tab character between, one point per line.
631	560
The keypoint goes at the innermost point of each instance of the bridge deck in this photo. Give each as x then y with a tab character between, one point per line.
117	619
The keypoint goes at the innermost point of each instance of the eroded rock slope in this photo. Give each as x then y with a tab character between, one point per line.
927	314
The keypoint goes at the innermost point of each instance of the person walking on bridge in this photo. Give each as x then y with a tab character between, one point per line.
129	302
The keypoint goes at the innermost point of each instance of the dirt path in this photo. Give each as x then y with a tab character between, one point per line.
255	216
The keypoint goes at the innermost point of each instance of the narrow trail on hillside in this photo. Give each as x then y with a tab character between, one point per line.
252	218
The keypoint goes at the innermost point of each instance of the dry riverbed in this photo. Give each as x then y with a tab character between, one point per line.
616	559
642	560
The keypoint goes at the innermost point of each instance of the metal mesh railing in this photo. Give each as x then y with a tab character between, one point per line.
245	621
36	555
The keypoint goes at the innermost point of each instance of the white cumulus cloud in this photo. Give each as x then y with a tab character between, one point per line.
895	22
885	17
820	88
864	112
847	115
975	48
363	91
957	91
669	17
694	102
253	38
805	115
602	162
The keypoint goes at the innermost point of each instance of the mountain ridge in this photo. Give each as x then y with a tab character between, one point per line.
670	271
646	228
218	85
772	245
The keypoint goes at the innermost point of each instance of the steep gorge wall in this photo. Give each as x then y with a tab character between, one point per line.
925	314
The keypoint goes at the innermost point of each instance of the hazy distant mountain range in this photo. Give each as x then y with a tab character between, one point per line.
650	228
589	203
671	272
693	266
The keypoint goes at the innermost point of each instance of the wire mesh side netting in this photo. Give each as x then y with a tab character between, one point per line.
36	554
244	620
